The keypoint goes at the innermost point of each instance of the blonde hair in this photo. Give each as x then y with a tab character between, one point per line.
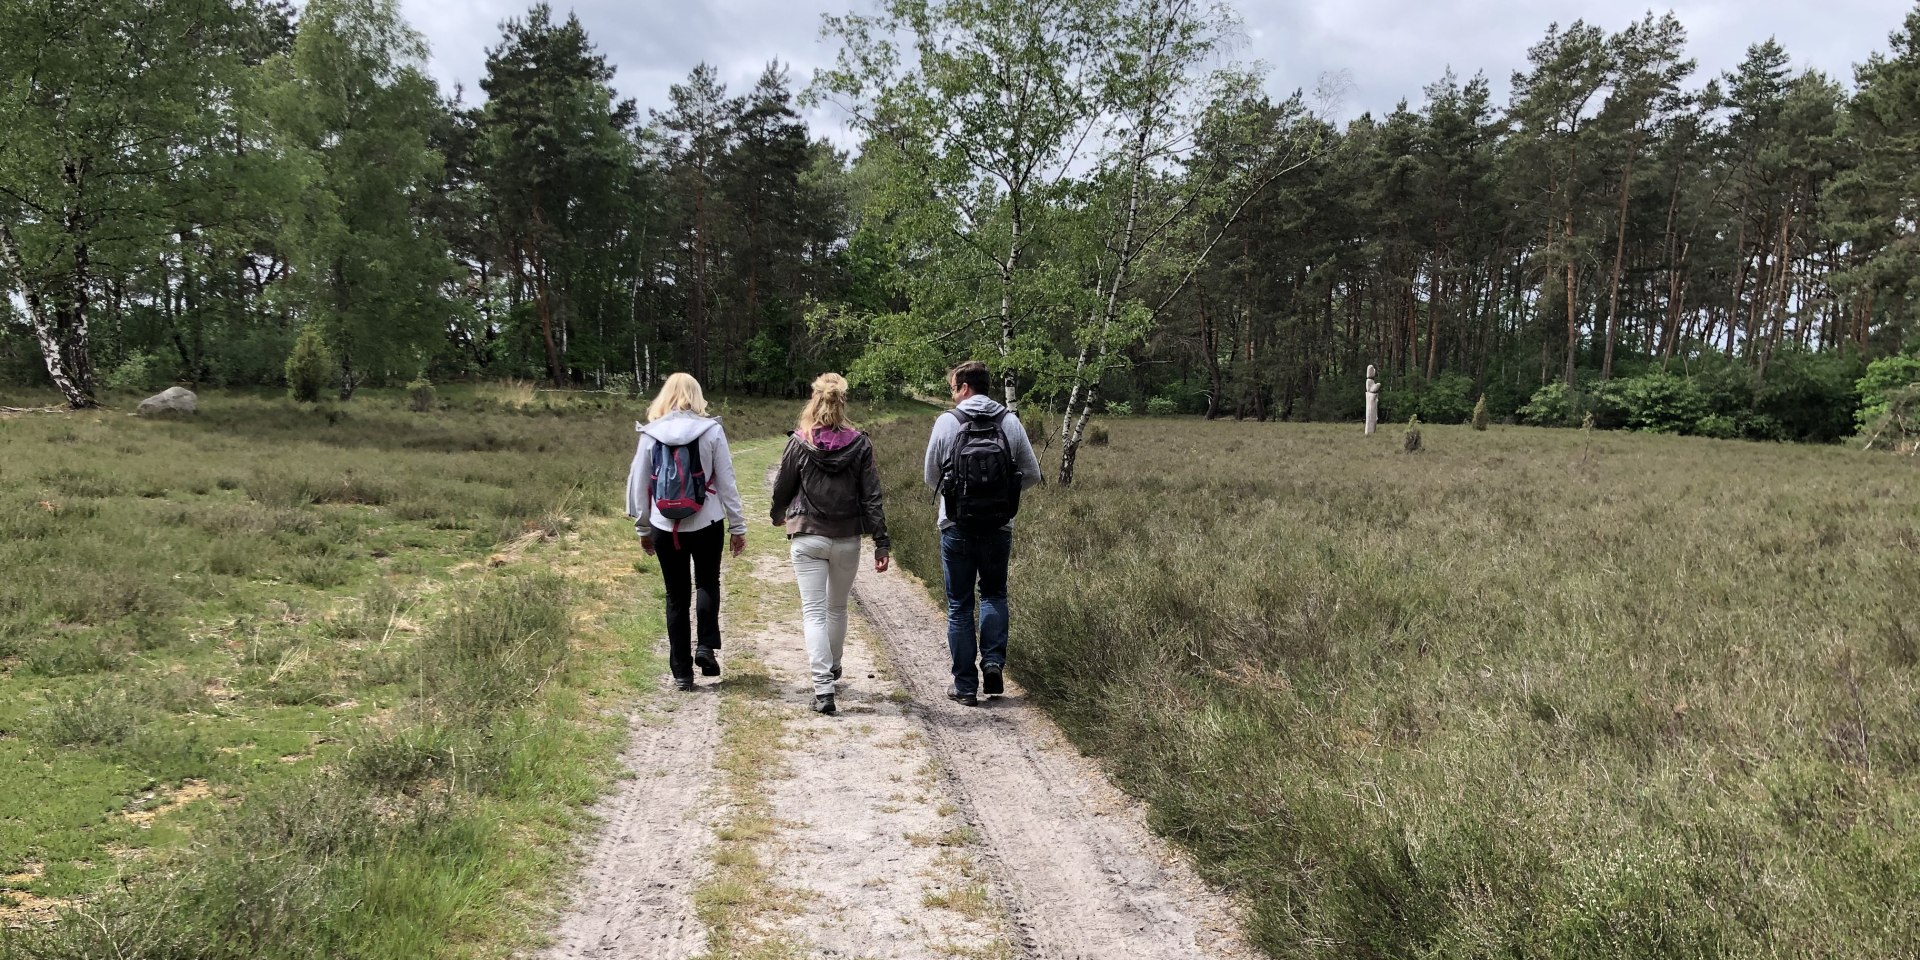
680	392
828	408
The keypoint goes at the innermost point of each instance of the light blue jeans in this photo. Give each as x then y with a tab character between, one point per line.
824	568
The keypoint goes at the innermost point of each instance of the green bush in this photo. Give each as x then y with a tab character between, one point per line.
1876	387
1661	403
1717	426
1119	408
421	397
1162	407
1098	435
1411	441
1807	397
141	372
1554	405
497	647
102	717
1480	413
310	367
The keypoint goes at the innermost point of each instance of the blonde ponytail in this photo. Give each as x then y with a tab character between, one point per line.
827	410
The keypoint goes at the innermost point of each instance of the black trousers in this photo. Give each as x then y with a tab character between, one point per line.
693	566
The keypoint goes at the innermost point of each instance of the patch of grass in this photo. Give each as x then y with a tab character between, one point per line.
1524	695
401	740
100	717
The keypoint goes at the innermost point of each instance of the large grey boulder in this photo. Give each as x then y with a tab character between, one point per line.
173	401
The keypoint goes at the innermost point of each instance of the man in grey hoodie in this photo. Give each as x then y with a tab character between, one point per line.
971	555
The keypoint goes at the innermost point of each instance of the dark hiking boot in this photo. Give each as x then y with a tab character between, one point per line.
708	663
823	704
992	680
683	684
963	699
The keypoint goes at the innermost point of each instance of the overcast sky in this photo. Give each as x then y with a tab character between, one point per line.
1387	49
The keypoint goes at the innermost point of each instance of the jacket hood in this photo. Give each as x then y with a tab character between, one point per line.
834	459
980	403
679	428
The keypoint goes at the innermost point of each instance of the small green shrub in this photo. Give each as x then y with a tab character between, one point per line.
1480	413
1554	405
421	397
1411	441
1098	435
1162	407
1119	408
309	368
141	372
75	652
1884	378
101	717
497	647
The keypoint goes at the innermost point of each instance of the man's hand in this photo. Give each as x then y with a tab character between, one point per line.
881	561
739	544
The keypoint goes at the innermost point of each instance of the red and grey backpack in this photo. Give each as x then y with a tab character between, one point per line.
679	485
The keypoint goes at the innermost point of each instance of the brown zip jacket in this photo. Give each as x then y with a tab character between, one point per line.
831	492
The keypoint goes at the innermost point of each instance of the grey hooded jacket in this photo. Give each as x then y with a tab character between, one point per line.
723	495
940	447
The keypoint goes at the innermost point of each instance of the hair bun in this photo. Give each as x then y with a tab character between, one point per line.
831	386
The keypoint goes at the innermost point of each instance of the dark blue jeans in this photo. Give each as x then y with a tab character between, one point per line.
967	557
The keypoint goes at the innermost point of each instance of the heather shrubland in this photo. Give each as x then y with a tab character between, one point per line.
1528	693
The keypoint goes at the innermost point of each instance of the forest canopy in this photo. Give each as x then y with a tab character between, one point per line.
188	185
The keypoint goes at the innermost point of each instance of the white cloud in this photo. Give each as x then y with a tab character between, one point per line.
1390	49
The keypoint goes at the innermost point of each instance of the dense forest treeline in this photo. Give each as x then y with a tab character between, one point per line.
1069	188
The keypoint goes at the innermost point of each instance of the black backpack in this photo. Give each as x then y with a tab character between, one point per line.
981	484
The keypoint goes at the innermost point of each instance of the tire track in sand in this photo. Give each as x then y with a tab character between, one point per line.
635	899
1082	875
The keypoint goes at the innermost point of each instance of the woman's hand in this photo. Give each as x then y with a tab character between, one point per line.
881	561
646	543
739	544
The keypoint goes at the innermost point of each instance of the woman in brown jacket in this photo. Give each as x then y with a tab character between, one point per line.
827	494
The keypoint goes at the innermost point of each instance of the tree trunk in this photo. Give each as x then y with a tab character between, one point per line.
60	328
1619	261
1573	317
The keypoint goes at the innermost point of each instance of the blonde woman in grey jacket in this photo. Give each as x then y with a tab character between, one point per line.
827	494
679	490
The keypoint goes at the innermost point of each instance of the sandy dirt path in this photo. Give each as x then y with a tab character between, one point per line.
905	828
635	898
1081	875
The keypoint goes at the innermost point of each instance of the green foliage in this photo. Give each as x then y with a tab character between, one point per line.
141	372
1899	425
1098	435
1162	406
1447	398
1884	378
355	108
1661	403
421	397
310	367
1554	405
1480	413
1410	441
501	646
1119	408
